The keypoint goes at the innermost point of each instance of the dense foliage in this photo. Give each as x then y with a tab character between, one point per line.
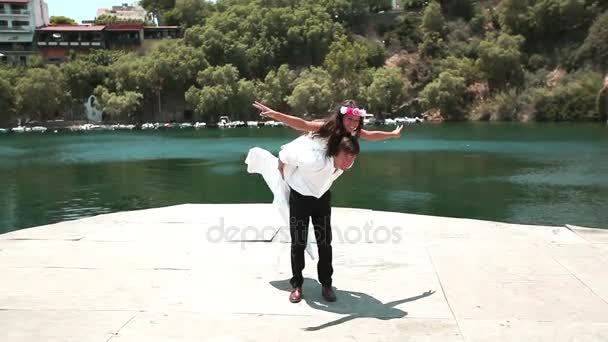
491	60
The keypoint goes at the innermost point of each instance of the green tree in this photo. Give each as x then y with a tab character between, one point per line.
515	18
594	48
7	100
108	19
459	8
500	59
414	4
61	20
432	19
446	94
82	77
345	63
573	99
41	94
432	45
536	19
120	107
312	93
168	70
218	92
376	6
408	31
187	13
157	8
463	67
345	58
387	91
277	86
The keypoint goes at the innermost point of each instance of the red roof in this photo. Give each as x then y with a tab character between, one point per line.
14	1
161	27
124	27
72	28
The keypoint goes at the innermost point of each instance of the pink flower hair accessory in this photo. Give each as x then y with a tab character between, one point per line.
351	111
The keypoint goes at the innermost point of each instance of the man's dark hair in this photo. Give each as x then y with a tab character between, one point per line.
345	142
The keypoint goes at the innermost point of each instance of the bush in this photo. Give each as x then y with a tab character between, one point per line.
500	59
537	61
536	79
445	93
408	31
463	67
508	105
432	19
573	99
414	4
478	20
460	41
432	45
594	48
460	9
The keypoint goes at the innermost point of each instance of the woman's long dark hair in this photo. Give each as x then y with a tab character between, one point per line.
334	125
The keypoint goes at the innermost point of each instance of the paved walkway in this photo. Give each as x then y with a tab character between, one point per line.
219	273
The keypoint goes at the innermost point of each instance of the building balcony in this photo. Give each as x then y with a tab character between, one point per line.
16	29
20	12
70	44
20	28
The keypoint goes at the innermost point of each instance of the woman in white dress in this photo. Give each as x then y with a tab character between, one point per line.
347	119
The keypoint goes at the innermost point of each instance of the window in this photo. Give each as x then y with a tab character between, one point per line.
3	23
20	24
19	9
72	37
3	59
22	60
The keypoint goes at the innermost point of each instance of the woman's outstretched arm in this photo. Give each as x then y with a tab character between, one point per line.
381	135
291	121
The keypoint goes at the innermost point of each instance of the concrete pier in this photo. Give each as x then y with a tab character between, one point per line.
220	273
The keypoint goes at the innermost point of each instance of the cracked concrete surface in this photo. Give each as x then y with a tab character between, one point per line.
202	272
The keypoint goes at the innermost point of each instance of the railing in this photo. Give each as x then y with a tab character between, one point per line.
20	12
69	43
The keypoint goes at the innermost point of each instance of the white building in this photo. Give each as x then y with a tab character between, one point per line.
18	22
125	12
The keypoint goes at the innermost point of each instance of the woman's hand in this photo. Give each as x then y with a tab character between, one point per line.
397	132
266	111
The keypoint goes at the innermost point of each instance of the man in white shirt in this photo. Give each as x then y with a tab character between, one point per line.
310	174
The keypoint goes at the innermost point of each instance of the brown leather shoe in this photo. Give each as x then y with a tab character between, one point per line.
296	295
328	293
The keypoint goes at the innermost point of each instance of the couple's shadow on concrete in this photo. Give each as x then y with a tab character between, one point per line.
350	303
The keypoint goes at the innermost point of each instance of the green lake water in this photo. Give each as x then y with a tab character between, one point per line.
543	174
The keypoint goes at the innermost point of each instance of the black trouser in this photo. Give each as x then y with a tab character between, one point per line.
301	209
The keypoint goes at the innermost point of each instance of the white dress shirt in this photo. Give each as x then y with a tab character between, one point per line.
308	170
